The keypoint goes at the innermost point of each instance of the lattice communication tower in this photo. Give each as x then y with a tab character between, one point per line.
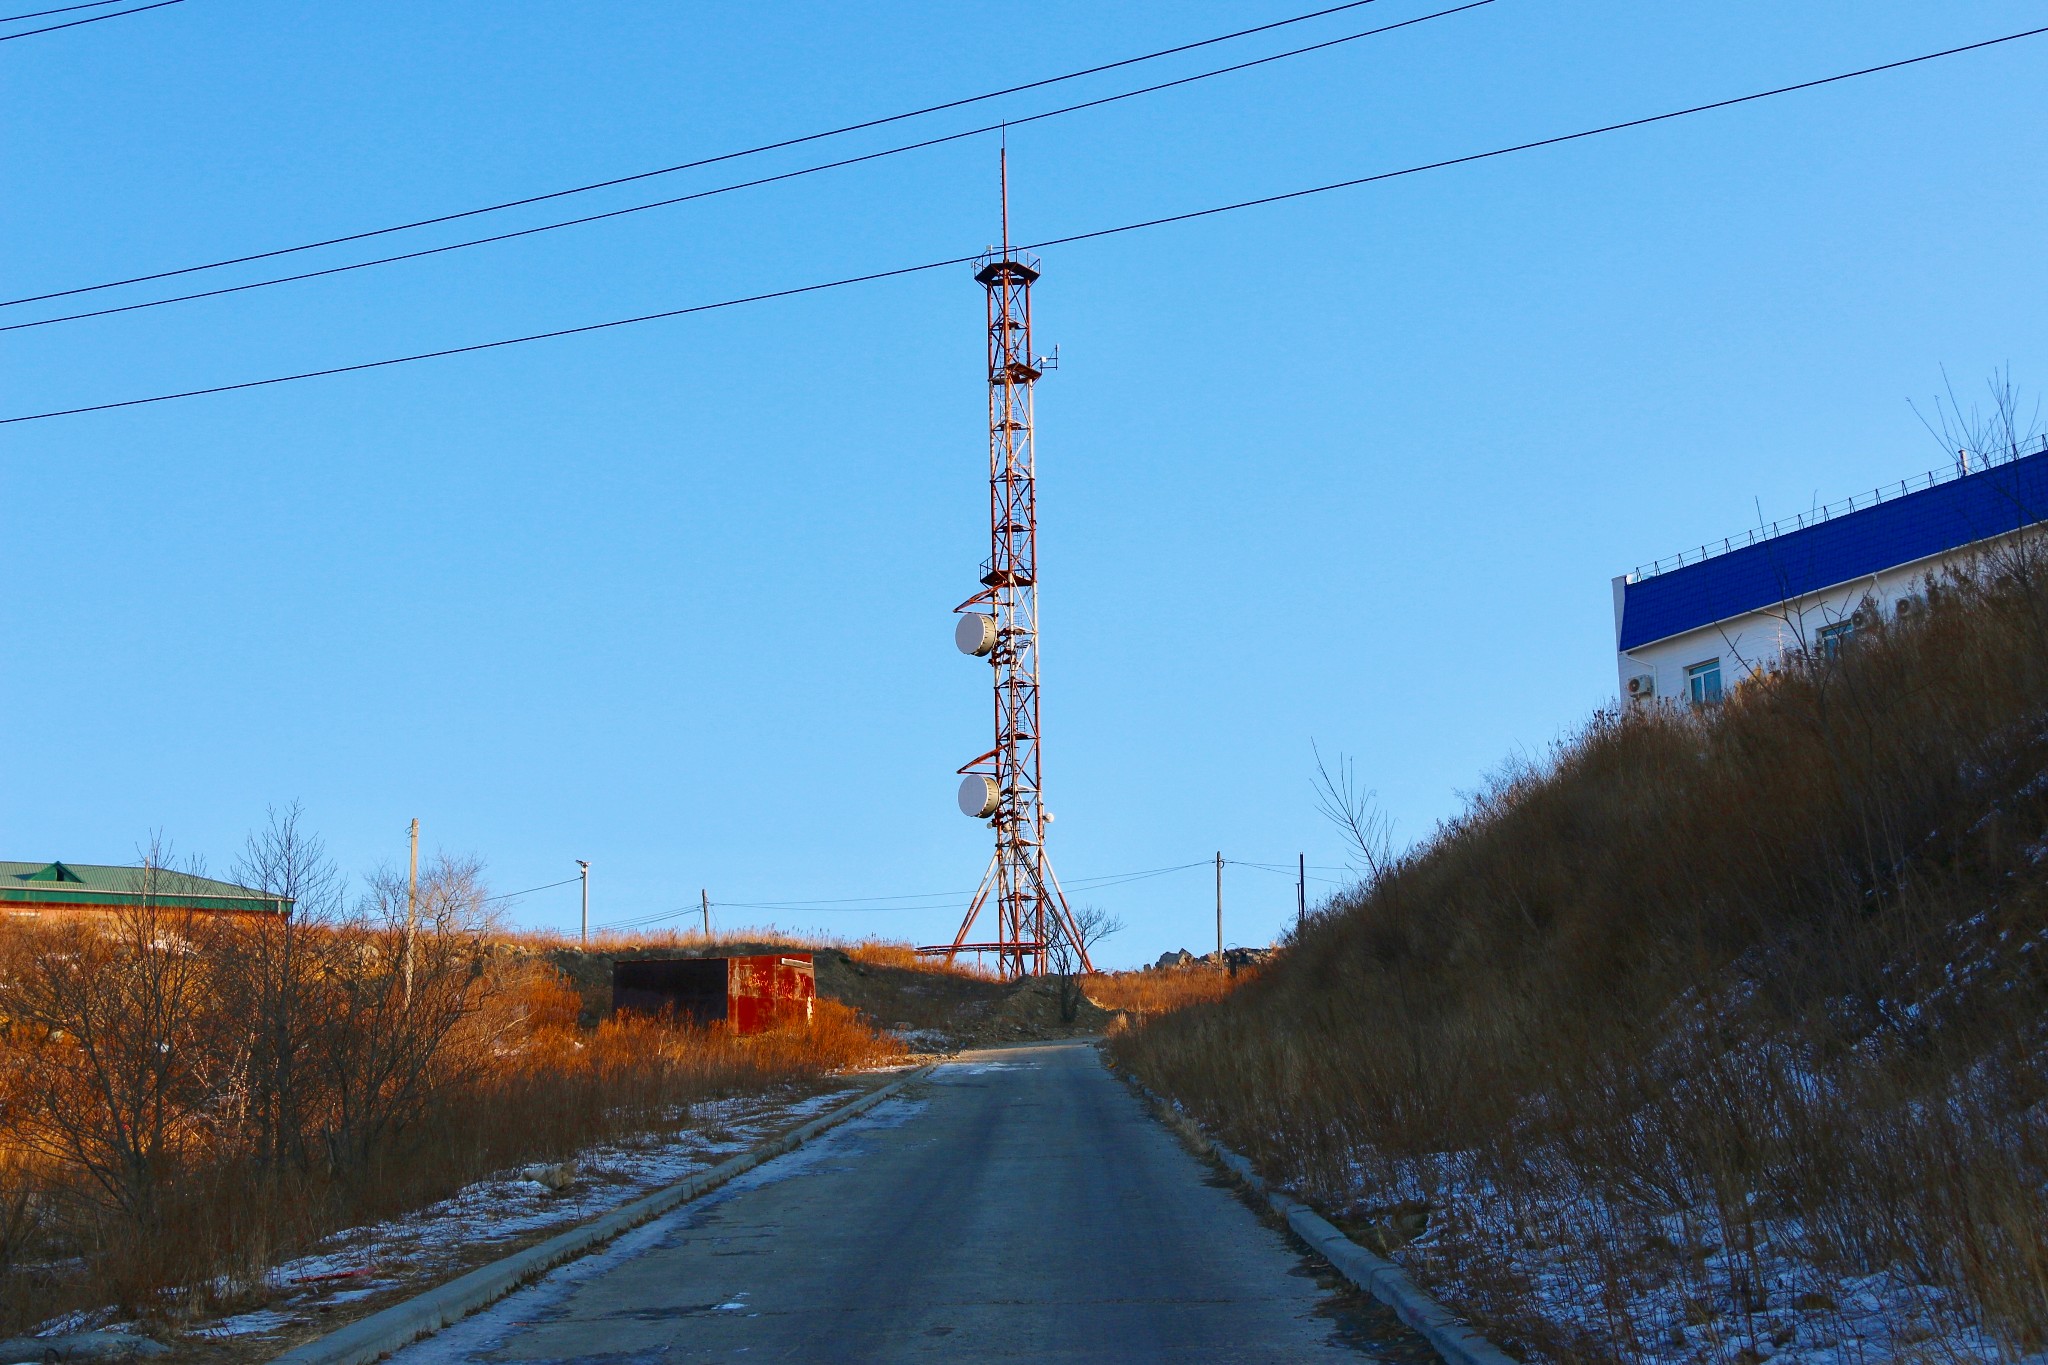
1000	623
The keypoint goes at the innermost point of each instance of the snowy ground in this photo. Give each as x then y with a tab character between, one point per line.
480	1332
1680	1287
420	1248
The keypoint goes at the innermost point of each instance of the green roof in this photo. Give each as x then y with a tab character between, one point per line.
105	886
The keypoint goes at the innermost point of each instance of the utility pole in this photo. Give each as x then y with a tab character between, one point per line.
1301	892
705	896
1219	905
412	905
584	868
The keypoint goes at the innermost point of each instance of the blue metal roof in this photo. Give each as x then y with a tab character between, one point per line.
1855	545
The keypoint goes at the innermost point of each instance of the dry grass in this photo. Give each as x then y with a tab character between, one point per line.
1162	989
185	1101
1721	1009
874	951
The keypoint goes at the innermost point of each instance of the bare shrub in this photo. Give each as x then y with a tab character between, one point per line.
1708	1000
1092	924
116	1077
186	1099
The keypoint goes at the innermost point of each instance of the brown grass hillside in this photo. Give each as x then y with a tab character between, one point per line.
186	1100
1717	1036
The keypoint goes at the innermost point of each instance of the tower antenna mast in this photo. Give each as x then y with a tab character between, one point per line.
1000	623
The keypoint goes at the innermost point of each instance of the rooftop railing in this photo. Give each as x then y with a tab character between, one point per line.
1856	502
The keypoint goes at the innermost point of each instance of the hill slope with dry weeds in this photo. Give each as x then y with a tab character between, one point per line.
1716	1037
187	1100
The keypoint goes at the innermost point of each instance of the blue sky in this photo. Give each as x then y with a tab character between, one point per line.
675	598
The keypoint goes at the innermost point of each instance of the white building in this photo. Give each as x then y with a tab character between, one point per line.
1688	627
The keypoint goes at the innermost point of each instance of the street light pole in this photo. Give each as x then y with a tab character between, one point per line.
412	904
1219	907
586	900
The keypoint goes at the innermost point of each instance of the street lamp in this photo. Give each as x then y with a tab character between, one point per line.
586	900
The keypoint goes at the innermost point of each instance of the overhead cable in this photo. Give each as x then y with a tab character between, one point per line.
863	905
74	23
67	9
515	895
728	189
1068	240
645	920
1287	872
700	162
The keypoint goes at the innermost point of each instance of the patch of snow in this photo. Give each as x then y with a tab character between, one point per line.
358	1262
483	1333
262	1322
927	1039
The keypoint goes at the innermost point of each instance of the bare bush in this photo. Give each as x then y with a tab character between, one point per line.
1722	1009
1093	924
1357	814
187	1098
115	1079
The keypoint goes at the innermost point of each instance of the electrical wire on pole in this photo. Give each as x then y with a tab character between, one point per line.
864	905
1097	234
700	162
514	895
587	219
66	9
79	23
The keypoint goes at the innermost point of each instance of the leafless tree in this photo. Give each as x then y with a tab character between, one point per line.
387	1047
270	971
1093	924
1981	436
453	899
1357	813
115	1080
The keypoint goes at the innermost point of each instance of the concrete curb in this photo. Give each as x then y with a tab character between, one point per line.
387	1330
1452	1337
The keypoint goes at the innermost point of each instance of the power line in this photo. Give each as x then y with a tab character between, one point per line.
1287	872
515	895
1071	239
494	345
1101	883
855	900
68	9
646	920
694	165
864	905
96	19
1288	868
806	909
728	189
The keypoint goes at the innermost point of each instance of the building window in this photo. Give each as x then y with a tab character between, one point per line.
1704	681
1833	637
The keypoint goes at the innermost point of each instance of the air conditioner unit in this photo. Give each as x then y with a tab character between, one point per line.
1642	685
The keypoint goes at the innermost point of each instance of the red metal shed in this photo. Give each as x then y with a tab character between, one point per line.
749	994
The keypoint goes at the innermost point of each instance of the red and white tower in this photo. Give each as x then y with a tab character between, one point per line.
1000	624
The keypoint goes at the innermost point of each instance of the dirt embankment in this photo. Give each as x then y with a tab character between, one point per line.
934	1009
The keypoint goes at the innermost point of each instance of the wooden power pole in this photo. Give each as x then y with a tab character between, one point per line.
412	904
705	897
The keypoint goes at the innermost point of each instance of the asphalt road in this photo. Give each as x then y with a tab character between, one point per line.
1018	1205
